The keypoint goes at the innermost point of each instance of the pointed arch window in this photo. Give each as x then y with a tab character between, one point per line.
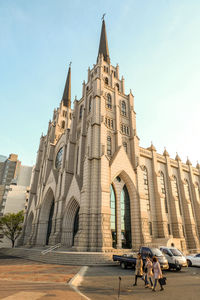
146	186
109	101
113	216
58	160
106	80
163	189
123	108
197	191
90	104
117	85
109	146
176	192
81	112
125	218
187	190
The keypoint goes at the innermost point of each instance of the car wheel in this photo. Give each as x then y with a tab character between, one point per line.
189	263
178	268
123	265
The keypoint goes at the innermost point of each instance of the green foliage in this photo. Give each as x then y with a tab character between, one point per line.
11	225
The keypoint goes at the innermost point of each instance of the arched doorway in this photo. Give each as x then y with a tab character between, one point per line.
45	227
70	225
49	227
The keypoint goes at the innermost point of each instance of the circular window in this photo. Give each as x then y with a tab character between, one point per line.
58	160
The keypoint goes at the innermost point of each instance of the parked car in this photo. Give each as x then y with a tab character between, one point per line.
175	258
129	260
193	260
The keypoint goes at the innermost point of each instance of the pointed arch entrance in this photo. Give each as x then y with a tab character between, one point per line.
70	223
45	228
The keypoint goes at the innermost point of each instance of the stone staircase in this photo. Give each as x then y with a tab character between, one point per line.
62	257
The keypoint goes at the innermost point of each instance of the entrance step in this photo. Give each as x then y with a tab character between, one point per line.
62	257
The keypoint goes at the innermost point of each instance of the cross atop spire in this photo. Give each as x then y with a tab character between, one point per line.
67	91
103	45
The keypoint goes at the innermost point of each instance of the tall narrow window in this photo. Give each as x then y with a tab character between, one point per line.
175	186
109	149
187	194
109	101
197	191
150	228
77	154
125	146
169	229
81	112
125	218
163	190
58	160
63	124
187	190
90	104
106	80
117	85
146	186
123	108
113	216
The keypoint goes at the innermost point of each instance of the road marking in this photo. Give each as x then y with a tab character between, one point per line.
76	281
25	296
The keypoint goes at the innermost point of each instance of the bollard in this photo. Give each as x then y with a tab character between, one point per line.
119	287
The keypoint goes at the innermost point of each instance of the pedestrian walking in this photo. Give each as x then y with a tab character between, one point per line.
138	268
149	273
157	274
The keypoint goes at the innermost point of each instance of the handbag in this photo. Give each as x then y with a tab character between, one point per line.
162	280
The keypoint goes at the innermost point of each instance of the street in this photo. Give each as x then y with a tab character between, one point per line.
24	279
101	283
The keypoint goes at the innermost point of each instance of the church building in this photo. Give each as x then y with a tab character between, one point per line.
95	189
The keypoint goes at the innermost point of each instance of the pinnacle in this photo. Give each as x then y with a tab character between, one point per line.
103	45
67	91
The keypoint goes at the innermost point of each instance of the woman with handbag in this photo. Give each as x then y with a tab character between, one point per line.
138	268
157	274
149	273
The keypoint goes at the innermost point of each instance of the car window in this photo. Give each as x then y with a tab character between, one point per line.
175	252
168	252
156	252
198	255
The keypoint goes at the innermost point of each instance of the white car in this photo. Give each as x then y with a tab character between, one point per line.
175	257
193	260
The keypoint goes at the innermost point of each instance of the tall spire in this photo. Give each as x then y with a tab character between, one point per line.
67	91
103	45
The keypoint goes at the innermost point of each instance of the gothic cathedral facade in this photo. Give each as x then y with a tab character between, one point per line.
95	189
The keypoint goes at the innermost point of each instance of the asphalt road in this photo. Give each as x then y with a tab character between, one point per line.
24	279
101	283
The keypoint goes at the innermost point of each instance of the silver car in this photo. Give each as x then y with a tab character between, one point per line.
175	257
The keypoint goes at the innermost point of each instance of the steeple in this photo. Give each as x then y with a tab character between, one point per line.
67	91
103	45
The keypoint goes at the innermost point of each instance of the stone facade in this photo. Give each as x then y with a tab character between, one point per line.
95	188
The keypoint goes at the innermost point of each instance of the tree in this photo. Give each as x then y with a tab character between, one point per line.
11	225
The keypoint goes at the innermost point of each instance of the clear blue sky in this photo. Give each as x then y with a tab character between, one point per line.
157	46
